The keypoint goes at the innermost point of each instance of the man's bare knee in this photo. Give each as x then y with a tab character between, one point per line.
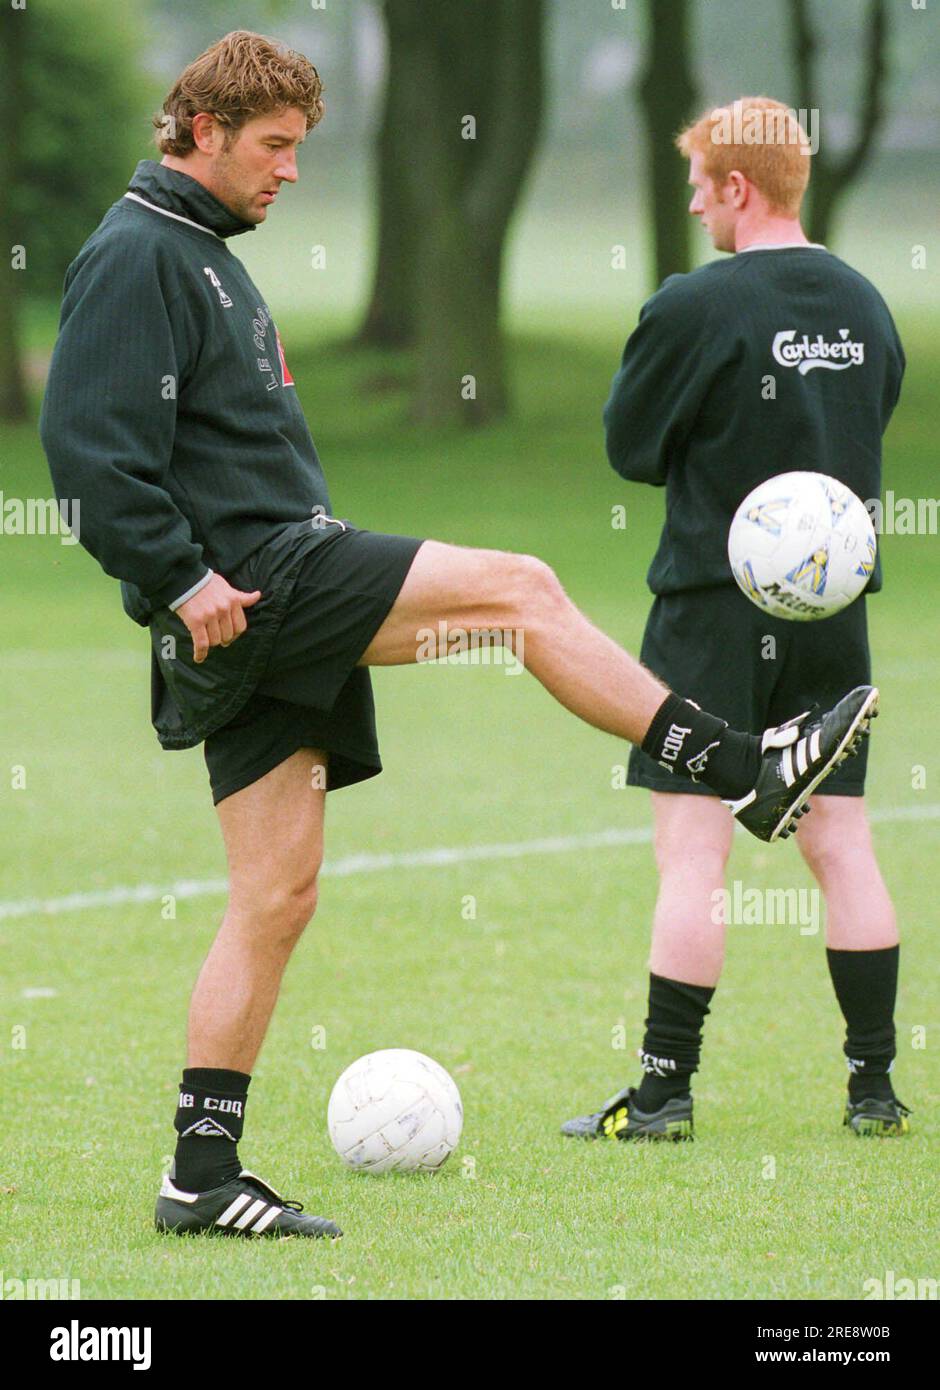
707	858
276	915
828	853
833	835
534	590
691	833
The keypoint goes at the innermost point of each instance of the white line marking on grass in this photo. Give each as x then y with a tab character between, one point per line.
354	864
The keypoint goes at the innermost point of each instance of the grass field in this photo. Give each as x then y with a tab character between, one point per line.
523	1003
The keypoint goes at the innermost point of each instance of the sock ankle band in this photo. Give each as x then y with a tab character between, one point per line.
693	743
672	1042
211	1108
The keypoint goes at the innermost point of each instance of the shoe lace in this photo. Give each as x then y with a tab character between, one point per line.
269	1192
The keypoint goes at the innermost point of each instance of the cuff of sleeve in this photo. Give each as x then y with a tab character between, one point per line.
200	584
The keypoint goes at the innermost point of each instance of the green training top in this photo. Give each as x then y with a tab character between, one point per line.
169	411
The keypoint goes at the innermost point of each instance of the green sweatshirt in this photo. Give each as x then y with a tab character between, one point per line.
169	410
772	360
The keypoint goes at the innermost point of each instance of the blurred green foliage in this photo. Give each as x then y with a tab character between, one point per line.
80	134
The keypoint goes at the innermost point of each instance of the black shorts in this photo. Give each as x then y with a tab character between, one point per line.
312	693
712	646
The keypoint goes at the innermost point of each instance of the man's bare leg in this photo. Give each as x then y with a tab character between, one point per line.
836	843
273	833
482	591
692	839
485	589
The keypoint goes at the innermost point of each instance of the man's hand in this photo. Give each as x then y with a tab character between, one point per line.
215	616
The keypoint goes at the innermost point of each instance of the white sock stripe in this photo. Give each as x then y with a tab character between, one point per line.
246	1218
264	1222
814	743
233	1209
789	775
801	760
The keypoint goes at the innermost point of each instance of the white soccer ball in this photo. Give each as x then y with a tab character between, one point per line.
802	546
395	1109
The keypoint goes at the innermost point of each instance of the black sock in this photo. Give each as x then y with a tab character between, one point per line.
209	1120
866	986
673	1040
685	739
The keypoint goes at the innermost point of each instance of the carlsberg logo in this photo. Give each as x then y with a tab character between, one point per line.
805	353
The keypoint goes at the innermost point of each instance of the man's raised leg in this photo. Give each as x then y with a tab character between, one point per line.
486	590
766	779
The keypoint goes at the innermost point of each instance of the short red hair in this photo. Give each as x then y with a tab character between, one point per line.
762	139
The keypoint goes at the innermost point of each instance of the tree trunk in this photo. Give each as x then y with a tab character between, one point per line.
668	94
472	114
830	178
461	358
389	320
14	401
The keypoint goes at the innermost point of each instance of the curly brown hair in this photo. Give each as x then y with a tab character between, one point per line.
241	76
